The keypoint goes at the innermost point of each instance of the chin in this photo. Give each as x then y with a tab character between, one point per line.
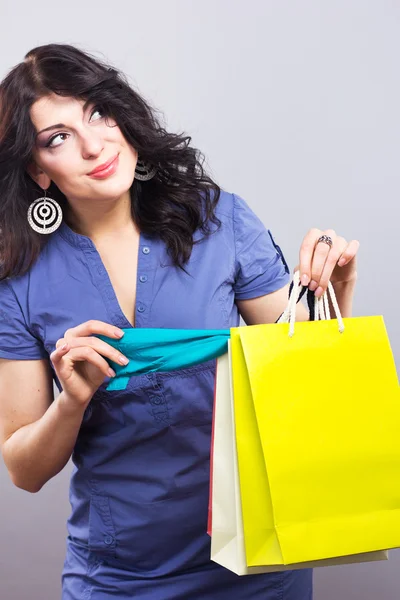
114	187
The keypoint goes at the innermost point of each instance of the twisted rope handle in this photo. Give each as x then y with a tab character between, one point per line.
321	306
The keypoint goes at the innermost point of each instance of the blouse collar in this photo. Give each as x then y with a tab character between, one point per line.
75	239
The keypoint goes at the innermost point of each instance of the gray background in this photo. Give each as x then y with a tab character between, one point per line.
296	107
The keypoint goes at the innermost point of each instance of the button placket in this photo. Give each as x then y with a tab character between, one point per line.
108	540
141	304
102	536
159	404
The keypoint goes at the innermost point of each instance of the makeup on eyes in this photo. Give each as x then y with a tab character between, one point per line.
47	143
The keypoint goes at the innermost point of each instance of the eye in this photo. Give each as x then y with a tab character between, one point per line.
50	143
51	140
97	109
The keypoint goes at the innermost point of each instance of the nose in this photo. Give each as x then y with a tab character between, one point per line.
92	144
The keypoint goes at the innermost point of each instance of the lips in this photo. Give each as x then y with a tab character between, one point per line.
104	166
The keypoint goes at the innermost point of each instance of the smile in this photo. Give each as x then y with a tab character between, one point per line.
105	170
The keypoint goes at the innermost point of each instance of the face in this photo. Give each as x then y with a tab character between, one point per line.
67	154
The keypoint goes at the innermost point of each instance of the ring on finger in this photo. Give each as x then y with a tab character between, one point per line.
325	239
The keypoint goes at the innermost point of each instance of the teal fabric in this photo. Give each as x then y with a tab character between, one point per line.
164	350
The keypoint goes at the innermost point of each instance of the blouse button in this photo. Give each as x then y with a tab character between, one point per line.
108	539
156	400
146	250
143	278
141	308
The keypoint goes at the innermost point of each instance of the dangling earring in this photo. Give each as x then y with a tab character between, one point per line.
45	215
144	171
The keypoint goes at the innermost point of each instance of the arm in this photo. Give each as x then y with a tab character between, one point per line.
268	308
37	433
319	264
344	295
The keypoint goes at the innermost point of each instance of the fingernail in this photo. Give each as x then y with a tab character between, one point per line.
304	279
341	262
119	332
319	292
123	360
64	346
111	373
313	285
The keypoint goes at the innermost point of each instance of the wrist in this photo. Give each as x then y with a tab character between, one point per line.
348	284
344	292
69	407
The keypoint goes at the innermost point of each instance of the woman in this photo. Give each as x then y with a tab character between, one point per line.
132	233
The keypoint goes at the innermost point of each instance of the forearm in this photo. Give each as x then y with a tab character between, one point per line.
37	452
345	295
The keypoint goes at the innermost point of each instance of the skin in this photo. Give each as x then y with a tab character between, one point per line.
319	263
98	207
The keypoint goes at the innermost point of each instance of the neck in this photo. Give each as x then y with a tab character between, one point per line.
102	221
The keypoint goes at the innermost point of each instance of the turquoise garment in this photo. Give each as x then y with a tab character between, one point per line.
155	349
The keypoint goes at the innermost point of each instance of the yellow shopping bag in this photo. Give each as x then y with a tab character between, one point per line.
317	421
226	524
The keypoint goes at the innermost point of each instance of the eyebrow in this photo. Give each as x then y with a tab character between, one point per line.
62	125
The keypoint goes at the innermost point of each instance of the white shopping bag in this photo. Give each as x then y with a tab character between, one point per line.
227	541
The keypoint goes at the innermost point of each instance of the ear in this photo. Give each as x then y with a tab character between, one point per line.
38	175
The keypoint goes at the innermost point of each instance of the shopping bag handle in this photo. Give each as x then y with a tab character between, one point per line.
321	306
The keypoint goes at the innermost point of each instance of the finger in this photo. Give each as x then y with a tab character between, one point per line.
94	327
100	346
307	253
335	253
349	253
85	353
59	352
320	257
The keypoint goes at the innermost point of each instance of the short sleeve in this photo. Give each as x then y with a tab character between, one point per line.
260	265
16	341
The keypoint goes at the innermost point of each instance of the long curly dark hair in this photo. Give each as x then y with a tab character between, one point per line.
180	199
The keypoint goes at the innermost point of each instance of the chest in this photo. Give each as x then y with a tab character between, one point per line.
132	283
120	259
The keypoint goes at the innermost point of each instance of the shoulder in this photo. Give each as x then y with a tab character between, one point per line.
18	339
48	269
238	216
234	207
226	207
237	219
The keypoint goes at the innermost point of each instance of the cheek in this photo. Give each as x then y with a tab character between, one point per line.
127	148
128	154
126	169
131	157
67	175
61	162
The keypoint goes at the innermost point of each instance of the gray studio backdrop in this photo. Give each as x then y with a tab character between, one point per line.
296	107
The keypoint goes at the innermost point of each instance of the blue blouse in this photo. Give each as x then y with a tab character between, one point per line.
139	487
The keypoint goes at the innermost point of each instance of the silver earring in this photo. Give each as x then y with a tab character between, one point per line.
45	215
144	171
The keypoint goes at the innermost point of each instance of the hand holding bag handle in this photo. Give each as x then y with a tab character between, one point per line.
321	305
